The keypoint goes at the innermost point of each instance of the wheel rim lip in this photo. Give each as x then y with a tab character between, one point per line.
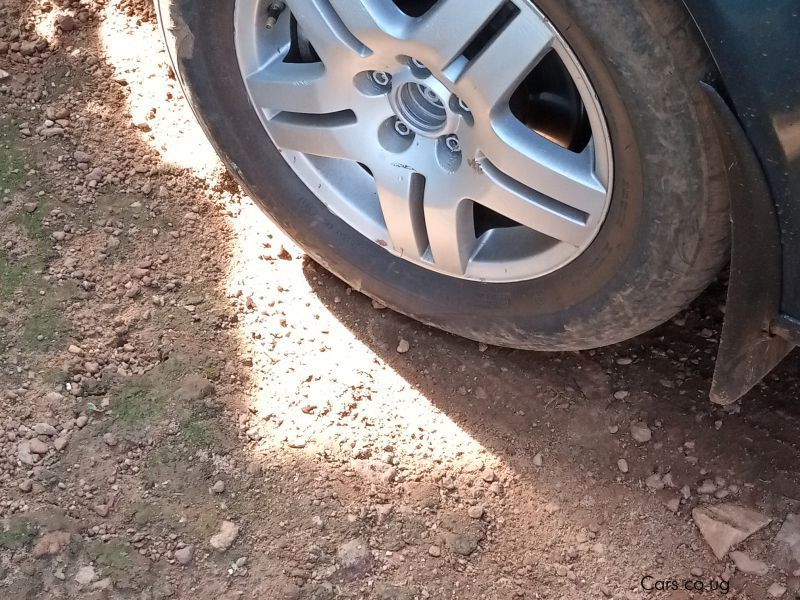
324	176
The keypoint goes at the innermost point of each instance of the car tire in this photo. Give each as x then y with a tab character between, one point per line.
665	235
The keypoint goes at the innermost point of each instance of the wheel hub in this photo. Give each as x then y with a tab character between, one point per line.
421	108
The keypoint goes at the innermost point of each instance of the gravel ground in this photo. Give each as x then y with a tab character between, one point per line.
191	408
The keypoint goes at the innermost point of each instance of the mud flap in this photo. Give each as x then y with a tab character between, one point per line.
747	351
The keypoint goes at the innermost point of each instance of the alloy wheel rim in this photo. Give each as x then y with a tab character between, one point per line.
405	127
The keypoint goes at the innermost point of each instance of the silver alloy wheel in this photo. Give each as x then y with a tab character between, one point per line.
406	131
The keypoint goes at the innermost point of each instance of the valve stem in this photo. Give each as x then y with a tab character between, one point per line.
273	12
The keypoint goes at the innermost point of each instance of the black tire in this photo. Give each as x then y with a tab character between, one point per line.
666	234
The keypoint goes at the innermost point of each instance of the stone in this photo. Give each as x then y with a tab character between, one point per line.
403	346
60	443
26	485
110	439
66	22
226	535
354	558
194	388
776	590
184	555
748	565
85	575
101	510
50	544
435	551
475	512
38	446
725	525
218	487
25	454
462	543
45	429
622	465
538	461
641	432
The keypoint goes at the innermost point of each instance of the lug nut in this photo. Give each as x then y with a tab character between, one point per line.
418	64
382	78
452	143
402	128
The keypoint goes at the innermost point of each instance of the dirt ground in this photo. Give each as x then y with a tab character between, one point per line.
190	408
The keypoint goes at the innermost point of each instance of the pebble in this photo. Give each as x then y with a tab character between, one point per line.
45	429
222	540
641	432
110	439
218	487
622	464
403	347
776	590
537	460
26	485
354	558
101	510
748	565
85	575
475	512
60	443
38	447
184	555
435	551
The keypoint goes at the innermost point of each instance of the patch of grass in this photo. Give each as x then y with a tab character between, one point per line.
17	534
114	556
12	275
199	433
43	321
12	160
33	225
135	404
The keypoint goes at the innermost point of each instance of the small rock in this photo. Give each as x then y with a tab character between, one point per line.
673	504
538	461
85	575
403	347
110	439
218	487
45	429
50	544
184	555
226	535
38	447
101	510
81	421
748	565
60	443
725	525
462	543
30	207
26	485
622	465
73	349
354	558
776	590
641	432
475	512
194	388
435	551
66	22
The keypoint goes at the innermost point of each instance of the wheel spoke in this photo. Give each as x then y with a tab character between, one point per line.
448	28
532	209
400	192
335	135
303	88
324	28
490	78
451	228
377	24
542	165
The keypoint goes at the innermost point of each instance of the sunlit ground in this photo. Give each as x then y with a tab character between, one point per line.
315	387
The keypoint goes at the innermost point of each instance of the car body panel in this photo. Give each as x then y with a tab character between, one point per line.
756	46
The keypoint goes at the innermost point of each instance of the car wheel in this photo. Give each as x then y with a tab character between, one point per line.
539	175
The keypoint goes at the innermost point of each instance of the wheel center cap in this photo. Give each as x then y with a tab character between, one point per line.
421	108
